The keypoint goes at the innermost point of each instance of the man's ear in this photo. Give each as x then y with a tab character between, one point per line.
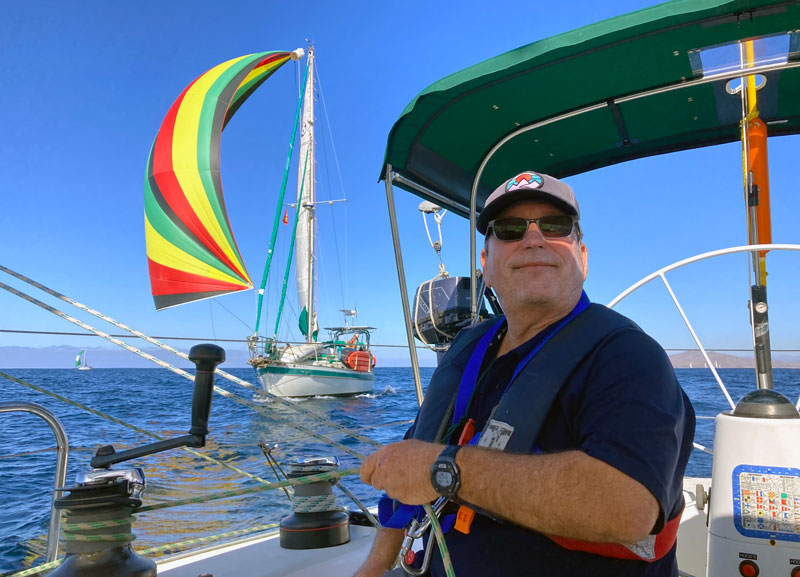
486	272
584	260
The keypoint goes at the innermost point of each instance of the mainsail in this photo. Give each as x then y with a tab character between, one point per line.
191	251
306	199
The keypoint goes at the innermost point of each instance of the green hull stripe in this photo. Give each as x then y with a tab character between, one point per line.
278	370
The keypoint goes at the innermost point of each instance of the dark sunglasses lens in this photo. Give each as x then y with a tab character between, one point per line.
555	226
510	228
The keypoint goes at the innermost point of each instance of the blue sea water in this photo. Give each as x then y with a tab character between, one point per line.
159	401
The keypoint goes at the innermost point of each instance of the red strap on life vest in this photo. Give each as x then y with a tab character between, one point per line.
465	514
651	549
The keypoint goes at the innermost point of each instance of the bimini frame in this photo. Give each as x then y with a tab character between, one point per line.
391	177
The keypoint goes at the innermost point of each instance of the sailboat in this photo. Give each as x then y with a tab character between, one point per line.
343	364
631	84
80	362
192	253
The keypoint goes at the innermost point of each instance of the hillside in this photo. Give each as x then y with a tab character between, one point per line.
695	360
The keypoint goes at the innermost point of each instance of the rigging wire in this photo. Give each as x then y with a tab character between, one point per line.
216	301
213	328
341	185
224	374
296	342
125	424
226	446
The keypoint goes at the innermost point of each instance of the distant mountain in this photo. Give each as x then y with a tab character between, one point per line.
63	357
695	360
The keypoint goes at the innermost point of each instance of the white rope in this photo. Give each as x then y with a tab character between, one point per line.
314	503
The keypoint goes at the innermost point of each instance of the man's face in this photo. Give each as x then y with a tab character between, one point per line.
534	271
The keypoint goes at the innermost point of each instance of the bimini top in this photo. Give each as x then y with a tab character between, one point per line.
658	80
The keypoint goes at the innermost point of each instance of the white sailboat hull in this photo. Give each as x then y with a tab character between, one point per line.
311	380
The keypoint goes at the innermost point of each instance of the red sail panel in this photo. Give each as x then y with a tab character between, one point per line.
188	231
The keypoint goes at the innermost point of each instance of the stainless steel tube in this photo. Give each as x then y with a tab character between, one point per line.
401	278
54	529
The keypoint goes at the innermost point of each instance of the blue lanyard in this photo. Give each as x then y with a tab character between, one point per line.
469	380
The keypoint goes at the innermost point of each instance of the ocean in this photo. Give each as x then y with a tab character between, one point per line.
159	401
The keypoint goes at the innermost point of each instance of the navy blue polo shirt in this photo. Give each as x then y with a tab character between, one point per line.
622	405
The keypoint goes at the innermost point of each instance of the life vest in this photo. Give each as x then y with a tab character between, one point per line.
520	415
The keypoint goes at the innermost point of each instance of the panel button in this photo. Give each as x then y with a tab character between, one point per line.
748	569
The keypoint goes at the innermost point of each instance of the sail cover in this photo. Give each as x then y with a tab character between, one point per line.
191	251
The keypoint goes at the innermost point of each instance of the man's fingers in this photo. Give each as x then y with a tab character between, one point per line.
367	468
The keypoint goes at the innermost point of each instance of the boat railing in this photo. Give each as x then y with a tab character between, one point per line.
54	530
661	274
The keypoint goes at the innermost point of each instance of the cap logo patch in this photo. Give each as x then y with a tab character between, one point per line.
524	180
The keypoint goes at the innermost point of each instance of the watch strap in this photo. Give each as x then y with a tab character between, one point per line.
450	452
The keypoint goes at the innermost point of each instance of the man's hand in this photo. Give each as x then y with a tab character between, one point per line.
403	471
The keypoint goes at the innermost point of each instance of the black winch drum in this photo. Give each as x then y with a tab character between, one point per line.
318	529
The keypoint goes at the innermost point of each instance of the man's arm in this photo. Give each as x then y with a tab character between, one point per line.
566	494
383	554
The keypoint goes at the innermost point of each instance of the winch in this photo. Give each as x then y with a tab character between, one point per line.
316	520
100	507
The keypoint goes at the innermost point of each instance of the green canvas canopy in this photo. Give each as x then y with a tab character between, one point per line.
654	81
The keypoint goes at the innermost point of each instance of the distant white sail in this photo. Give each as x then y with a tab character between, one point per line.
80	362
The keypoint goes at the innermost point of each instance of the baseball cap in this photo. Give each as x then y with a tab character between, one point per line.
527	186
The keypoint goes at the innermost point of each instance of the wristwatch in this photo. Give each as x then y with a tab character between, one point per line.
445	474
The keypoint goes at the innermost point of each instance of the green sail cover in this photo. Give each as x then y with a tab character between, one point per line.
444	134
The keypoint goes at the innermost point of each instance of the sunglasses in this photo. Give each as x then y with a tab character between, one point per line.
511	229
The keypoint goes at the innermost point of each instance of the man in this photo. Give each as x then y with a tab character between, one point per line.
598	491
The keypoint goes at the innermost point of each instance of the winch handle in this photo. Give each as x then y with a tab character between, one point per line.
206	357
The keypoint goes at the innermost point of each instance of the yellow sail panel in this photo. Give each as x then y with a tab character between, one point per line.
164	253
191	246
187	160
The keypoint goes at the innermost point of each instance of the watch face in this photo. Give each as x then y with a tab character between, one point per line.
444	478
445	474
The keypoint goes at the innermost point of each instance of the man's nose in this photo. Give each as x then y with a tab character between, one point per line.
534	234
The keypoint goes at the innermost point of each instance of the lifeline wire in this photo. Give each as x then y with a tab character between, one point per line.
128	425
139	334
313	478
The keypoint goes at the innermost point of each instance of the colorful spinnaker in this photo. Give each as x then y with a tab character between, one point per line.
191	251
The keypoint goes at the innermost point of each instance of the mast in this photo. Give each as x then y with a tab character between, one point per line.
306	194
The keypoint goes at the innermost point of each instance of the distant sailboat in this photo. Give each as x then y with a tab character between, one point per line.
80	362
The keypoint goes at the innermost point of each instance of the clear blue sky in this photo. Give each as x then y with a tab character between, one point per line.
87	84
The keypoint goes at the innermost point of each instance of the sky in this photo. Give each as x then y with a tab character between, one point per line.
86	86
